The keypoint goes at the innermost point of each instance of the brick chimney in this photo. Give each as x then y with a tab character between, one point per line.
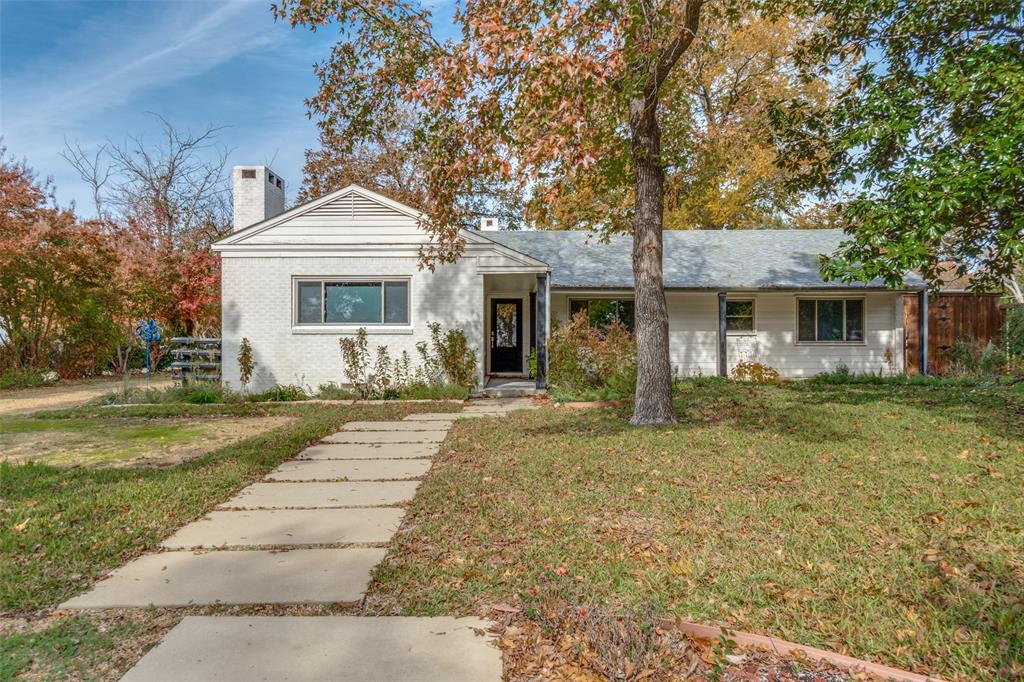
257	194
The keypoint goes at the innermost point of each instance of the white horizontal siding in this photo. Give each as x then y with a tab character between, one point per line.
258	305
693	334
350	219
337	230
775	341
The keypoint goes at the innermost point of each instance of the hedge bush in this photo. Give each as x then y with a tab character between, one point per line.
591	362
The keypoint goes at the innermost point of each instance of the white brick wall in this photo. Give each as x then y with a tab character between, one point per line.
257	304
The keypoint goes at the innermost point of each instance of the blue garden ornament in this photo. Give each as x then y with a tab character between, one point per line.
148	332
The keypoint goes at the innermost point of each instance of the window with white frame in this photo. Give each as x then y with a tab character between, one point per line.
739	316
830	320
601	312
351	302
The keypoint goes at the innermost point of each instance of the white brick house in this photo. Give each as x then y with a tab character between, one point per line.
295	281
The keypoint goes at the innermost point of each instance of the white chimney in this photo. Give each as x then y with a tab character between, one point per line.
257	194
489	224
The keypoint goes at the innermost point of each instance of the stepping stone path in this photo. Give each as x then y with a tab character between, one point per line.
321	649
289	539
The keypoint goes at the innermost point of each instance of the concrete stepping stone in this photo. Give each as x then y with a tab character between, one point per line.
321	649
351	469
312	495
370	451
381	437
288	527
432	417
394	426
235	577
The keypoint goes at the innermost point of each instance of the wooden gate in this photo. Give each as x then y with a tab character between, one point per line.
951	316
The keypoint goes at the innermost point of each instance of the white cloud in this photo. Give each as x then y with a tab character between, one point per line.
106	64
128	58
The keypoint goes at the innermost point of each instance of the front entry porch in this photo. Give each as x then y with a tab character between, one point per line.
516	327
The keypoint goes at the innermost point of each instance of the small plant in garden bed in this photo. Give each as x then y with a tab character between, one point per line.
968	358
418	391
246	362
755	373
278	394
332	391
447	367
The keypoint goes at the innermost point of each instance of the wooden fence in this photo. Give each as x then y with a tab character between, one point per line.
977	318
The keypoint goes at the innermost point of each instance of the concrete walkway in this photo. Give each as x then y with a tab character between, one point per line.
290	539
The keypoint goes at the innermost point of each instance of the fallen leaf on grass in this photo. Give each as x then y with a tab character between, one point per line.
505	608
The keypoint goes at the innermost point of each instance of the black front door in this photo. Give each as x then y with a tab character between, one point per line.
506	335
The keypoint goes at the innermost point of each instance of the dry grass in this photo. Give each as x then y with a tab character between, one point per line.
879	521
124	442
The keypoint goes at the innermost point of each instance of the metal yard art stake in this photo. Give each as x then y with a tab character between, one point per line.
148	332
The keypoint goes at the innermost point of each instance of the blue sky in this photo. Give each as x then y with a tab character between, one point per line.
90	70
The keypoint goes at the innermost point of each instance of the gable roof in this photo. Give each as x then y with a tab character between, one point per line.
694	259
348	204
354	218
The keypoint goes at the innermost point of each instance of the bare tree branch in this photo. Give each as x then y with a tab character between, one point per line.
176	185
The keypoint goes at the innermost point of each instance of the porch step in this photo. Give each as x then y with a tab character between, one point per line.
506	393
508	388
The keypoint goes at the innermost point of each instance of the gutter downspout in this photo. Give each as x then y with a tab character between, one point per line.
723	362
543	325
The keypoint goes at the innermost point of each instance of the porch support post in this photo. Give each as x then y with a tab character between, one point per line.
543	324
922	325
723	363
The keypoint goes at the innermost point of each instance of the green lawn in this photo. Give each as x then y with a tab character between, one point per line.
62	528
73	648
882	521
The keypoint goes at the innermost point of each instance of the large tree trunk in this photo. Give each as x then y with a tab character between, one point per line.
654	371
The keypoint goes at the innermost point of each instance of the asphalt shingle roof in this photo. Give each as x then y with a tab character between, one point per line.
694	259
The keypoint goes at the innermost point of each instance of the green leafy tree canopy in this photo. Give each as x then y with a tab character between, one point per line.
929	133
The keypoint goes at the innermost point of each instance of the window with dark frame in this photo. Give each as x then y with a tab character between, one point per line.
739	316
830	320
601	312
352	302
